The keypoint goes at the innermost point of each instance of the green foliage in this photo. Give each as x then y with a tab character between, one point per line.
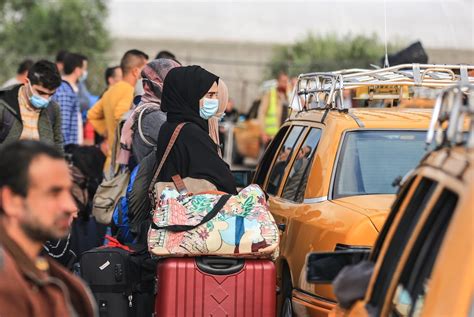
327	53
39	29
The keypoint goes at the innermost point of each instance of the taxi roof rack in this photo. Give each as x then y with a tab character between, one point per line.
324	90
453	107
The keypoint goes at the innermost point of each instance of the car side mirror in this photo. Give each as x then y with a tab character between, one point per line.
243	178
323	267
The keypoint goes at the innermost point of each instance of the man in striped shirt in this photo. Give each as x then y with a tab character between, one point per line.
27	111
75	68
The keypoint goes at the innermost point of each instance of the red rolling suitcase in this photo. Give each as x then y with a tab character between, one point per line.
214	286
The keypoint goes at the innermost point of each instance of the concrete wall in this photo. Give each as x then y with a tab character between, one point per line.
242	65
447	56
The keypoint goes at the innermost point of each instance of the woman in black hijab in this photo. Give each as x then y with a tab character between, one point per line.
190	95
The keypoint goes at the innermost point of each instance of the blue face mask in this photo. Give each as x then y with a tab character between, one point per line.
83	76
209	108
37	101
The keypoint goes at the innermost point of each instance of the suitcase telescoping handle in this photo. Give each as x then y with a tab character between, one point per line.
220	266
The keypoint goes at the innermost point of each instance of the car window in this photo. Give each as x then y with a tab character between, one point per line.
390	218
296	182
370	160
284	156
267	159
402	233
409	296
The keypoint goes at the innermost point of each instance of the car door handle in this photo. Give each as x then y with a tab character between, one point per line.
281	227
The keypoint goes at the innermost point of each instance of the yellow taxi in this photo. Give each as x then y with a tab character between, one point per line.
331	174
424	257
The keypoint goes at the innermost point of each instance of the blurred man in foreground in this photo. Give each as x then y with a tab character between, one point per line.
36	205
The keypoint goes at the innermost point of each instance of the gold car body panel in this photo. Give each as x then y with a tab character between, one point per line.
310	229
376	207
450	289
310	306
357	310
451	286
318	224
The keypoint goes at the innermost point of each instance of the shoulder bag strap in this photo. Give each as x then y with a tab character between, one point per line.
214	211
179	184
114	168
140	131
176	132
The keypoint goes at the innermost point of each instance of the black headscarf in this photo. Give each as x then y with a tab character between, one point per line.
194	154
183	88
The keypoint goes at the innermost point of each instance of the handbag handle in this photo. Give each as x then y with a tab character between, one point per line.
165	156
214	211
179	184
140	131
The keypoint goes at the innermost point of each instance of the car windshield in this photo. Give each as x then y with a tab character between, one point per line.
370	160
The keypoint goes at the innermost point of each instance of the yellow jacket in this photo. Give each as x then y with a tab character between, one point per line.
278	110
106	113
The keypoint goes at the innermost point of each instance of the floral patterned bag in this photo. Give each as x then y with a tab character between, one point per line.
213	224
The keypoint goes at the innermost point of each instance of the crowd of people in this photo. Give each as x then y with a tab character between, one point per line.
46	115
87	122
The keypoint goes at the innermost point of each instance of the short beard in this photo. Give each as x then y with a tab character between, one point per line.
35	232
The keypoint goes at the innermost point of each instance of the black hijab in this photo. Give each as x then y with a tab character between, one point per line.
194	154
182	89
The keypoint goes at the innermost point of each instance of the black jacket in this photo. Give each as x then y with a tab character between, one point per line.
194	154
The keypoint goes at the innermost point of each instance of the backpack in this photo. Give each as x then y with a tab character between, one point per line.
109	191
122	278
112	200
120	218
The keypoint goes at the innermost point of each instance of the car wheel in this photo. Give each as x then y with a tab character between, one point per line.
286	292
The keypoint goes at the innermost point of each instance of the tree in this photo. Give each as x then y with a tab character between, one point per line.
326	53
39	29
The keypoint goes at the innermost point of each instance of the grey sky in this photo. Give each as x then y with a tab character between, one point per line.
437	23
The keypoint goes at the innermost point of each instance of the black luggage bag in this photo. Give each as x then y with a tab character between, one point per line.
123	282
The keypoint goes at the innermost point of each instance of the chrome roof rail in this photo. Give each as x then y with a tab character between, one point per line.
454	107
310	85
324	90
350	71
421	75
